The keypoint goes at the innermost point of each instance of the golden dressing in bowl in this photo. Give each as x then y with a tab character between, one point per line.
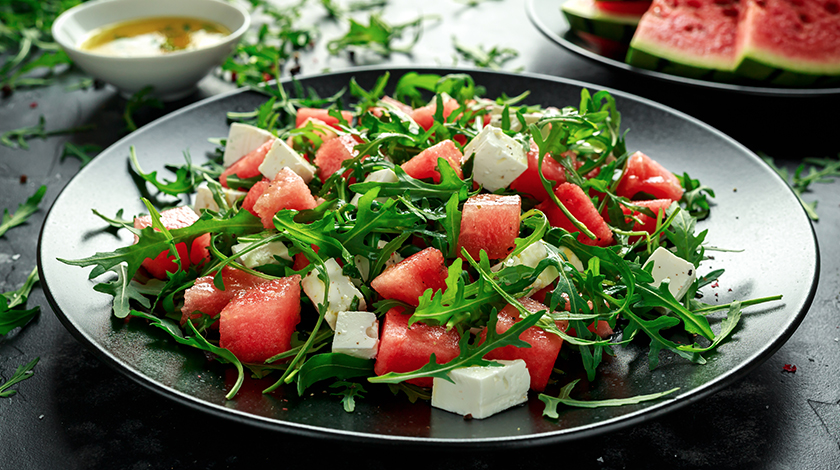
154	36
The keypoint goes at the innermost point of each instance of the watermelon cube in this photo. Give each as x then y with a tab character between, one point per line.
286	191
643	175
424	164
408	279
247	166
178	217
321	114
254	194
530	183
204	297
425	115
329	156
582	208
647	223
490	222
258	323
542	354
404	349
322	129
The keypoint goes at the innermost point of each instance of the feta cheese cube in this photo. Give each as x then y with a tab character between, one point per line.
498	158
363	264
667	265
532	256
483	391
342	291
280	156
262	255
242	140
385	175
356	334
204	198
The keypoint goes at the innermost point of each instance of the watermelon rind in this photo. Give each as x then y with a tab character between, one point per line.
584	17
641	59
776	70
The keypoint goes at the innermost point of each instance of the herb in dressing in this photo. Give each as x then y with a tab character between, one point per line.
154	36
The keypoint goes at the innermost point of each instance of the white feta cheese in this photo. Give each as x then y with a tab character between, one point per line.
385	175
280	156
532	256
483	391
204	198
496	118
262	255
342	291
497	158
356	334
363	264
242	140
666	265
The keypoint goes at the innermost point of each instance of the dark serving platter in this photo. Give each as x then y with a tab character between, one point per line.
751	201
549	19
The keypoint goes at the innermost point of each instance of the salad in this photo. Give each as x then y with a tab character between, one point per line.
436	242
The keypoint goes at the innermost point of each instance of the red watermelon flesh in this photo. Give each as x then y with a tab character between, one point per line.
699	33
258	323
331	153
647	223
405	349
204	297
408	279
490	222
623	7
580	206
323	114
796	35
424	164
254	194
529	182
178	217
542	354
247	166
643	175
425	115
286	191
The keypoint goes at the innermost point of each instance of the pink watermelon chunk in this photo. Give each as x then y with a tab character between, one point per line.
643	175
258	323
322	114
254	194
329	156
542	354
424	164
247	166
205	298
580	206
178	217
404	349
408	279
489	222
286	191
425	115
529	182
647	223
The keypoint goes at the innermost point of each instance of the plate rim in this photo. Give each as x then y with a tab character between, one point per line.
531	440
536	20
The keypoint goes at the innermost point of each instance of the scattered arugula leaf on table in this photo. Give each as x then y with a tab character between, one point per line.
16	138
22	373
23	212
139	100
85	153
378	35
493	59
821	170
13	311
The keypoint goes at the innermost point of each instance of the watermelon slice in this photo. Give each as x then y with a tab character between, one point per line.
254	194
790	42
490	222
247	166
404	349
408	279
692	38
644	175
609	20
204	297
177	217
258	323
322	115
647	223
329	156
529	182
542	354
286	191
424	164
580	206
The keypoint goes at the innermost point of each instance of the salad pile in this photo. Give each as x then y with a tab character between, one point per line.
405	240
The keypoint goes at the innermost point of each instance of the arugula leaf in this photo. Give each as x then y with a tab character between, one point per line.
828	170
17	138
24	211
694	196
123	291
412	392
82	152
494	59
564	399
681	233
348	394
662	297
727	326
653	329
378	35
185	180
136	102
22	373
12	311
331	365
408	84
417	189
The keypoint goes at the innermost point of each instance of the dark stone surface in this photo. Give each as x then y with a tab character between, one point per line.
78	413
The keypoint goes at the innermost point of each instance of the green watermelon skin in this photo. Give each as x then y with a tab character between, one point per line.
790	43
583	16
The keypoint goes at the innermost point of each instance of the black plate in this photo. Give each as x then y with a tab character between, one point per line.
547	17
755	212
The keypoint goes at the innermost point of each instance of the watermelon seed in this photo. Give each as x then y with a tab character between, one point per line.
804	18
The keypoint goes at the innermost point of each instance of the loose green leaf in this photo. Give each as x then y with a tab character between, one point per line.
12	305
493	59
82	152
348	394
136	102
123	291
22	373
552	402
24	211
331	366
17	138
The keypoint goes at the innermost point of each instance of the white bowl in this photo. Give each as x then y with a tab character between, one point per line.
172	75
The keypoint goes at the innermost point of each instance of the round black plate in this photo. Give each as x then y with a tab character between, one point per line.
755	212
547	17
